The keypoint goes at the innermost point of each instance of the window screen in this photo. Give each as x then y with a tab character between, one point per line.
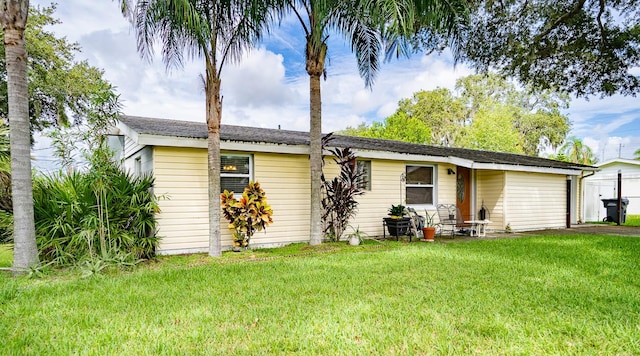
420	185
235	172
365	168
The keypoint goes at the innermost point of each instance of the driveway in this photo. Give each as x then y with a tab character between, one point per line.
588	229
591	229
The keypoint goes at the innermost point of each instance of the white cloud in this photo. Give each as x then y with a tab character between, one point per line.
262	91
259	80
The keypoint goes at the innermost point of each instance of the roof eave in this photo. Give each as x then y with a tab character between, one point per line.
530	169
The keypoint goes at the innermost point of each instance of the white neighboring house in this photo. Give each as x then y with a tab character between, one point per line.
604	185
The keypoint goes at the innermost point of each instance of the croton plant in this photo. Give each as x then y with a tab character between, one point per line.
246	215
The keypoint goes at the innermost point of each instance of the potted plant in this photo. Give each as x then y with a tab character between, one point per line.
397	223
429	229
356	236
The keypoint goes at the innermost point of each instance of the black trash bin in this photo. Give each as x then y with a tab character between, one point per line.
612	209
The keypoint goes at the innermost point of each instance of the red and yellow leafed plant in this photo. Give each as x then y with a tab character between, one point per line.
246	215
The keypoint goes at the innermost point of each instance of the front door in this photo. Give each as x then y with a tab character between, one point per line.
463	192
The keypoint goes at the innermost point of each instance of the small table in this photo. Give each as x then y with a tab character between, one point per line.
479	227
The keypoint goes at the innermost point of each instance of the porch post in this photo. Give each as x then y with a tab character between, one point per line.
568	218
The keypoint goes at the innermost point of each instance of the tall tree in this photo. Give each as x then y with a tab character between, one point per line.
526	120
492	130
442	112
61	90
366	24
13	15
398	126
579	46
218	31
535	112
574	150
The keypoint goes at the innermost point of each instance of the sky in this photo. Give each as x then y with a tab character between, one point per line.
270	88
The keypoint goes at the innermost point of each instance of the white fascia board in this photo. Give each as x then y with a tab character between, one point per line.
168	141
157	140
531	169
126	131
171	141
264	147
611	176
395	156
610	162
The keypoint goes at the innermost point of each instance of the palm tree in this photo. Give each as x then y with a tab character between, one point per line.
637	154
368	25
577	152
218	31
13	15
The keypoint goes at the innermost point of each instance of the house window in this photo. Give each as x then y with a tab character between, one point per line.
235	172
137	166
420	185
365	168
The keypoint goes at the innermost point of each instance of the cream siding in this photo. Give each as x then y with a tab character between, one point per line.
181	175
490	188
285	180
523	200
386	189
535	201
446	185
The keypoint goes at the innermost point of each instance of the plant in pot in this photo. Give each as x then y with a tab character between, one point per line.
355	237
430	225
397	222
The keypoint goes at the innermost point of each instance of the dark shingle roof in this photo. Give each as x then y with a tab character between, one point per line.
190	129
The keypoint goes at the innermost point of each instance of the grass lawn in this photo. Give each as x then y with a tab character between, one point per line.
570	294
632	220
6	255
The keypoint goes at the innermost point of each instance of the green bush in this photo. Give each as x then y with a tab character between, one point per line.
106	213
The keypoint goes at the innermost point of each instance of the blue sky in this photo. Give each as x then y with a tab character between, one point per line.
270	86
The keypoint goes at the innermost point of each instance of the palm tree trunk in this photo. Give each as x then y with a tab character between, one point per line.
214	116
25	249
315	157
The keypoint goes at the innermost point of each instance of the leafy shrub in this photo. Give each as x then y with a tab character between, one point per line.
102	212
339	202
6	227
247	215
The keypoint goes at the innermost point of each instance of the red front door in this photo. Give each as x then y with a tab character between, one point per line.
463	192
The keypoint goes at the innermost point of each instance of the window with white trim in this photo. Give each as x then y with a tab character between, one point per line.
364	167
420	185
235	172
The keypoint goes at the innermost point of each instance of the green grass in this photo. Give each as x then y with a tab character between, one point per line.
6	255
571	294
632	220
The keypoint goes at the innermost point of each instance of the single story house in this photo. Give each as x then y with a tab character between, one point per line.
521	192
604	185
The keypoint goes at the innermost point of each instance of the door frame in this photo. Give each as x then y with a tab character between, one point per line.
465	178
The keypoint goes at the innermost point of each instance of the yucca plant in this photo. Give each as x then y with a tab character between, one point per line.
247	215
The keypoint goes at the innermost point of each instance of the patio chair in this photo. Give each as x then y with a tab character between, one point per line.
450	218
